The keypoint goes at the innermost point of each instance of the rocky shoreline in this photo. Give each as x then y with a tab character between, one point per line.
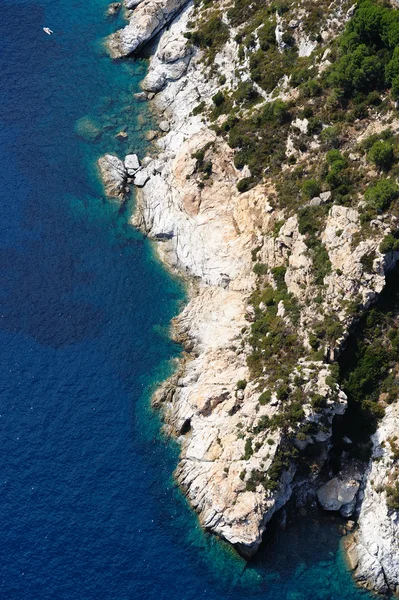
207	231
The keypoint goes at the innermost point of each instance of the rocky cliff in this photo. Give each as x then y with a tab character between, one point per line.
272	208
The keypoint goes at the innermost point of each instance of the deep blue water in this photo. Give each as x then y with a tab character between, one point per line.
88	508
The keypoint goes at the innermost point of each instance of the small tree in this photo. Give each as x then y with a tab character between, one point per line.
311	188
218	98
381	194
382	155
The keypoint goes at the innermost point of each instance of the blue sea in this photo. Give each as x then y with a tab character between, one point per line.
88	506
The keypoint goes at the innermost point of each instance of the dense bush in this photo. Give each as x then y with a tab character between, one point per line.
211	33
311	188
382	155
218	98
380	195
390	243
367	56
259	139
246	184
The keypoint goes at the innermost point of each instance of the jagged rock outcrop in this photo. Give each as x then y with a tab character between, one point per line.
208	231
114	176
374	548
147	20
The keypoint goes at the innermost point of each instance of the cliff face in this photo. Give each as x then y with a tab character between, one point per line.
278	275
374	548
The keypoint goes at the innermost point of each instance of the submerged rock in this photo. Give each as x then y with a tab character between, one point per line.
113	9
122	135
88	129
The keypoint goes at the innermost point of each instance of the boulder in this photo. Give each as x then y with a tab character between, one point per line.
113	175
141	177
132	164
336	494
150	135
140	96
164	126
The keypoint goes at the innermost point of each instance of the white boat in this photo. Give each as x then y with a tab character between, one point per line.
48	30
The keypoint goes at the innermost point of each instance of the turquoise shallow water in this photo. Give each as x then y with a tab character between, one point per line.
88	506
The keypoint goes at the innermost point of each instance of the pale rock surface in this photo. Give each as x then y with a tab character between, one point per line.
374	551
339	494
132	3
141	177
149	17
209	233
172	56
113	175
206	229
132	164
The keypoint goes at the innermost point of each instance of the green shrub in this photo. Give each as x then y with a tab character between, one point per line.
318	402
283	392
367	261
380	195
390	243
265	397
246	184
382	155
241	384
211	33
279	277
218	98
311	188
260	268
248	450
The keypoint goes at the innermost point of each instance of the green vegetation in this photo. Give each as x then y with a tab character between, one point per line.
241	384
248	450
361	82
367	55
211	34
310	222
380	195
311	188
382	155
369	372
202	166
390	243
392	492
259	140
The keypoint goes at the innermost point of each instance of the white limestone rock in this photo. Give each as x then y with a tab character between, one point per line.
338	493
132	164
375	548
113	175
171	58
132	3
141	177
147	20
